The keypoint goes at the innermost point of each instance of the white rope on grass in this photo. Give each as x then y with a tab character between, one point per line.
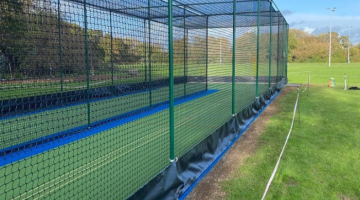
283	149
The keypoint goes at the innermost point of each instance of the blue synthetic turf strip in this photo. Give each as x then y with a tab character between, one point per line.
83	132
74	130
75	104
187	192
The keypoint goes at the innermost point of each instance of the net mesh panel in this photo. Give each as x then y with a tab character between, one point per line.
79	79
264	49
281	48
245	70
264	59
274	52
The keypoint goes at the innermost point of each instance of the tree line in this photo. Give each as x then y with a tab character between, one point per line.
31	46
305	47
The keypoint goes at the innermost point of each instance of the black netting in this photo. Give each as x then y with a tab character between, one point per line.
85	87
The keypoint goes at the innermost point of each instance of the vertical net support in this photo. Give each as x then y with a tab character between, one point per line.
207	53
270	46
287	49
186	60
150	53
60	47
274	49
171	79
257	49
185	51
111	49
233	59
284	49
86	39
278	51
145	53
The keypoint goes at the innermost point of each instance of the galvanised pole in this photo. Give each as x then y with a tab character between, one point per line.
207	51
349	44
233	59
111	51
270	50
150	54
171	79
60	46
87	64
258	50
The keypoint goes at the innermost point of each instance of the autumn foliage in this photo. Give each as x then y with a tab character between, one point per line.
304	47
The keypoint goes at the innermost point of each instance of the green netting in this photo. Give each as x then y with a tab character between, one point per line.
86	95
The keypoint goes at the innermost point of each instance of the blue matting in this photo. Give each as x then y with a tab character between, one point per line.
21	151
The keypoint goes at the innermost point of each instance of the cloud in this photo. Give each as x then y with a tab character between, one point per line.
326	29
342	30
308	30
287	12
317	24
297	23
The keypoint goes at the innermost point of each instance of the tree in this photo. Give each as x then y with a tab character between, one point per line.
11	23
304	47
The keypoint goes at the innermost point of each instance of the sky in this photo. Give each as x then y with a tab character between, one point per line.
313	17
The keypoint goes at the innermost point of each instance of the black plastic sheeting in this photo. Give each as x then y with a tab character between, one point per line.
10	107
178	177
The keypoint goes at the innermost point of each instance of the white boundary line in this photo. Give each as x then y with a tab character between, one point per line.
283	149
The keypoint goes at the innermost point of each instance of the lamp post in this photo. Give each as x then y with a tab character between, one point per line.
349	44
331	11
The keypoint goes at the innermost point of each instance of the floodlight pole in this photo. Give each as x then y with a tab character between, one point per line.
349	44
331	12
270	49
257	49
233	59
171	81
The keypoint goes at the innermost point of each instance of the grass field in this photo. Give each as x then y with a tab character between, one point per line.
322	159
320	73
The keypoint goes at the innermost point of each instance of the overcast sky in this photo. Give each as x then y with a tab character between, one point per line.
313	17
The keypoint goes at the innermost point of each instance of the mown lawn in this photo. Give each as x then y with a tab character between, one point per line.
320	73
322	159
